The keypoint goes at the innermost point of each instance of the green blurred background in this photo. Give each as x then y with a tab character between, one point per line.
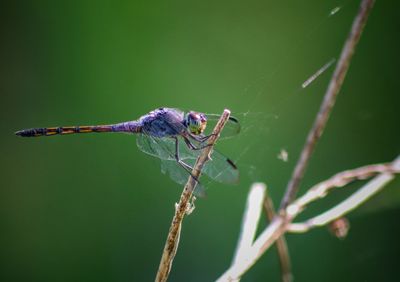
95	208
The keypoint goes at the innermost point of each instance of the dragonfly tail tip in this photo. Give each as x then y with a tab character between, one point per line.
23	133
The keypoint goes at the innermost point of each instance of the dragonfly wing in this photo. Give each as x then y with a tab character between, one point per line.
231	128
150	145
164	149
179	175
221	169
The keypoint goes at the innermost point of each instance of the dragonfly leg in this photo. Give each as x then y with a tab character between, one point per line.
187	167
201	138
191	146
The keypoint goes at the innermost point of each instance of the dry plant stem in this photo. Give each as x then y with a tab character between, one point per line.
339	180
281	245
274	230
386	171
328	102
172	242
280	225
250	220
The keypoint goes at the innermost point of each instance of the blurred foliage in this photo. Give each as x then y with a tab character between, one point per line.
95	208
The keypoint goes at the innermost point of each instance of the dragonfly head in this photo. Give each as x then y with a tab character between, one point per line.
196	122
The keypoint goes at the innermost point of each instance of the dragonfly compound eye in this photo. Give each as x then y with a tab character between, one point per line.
196	122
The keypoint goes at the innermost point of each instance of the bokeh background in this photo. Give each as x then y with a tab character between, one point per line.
95	208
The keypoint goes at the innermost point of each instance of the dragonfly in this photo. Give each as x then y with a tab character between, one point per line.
172	135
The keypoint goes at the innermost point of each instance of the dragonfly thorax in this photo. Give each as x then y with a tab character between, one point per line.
163	122
196	122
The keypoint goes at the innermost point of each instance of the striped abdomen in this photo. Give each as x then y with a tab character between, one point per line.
49	131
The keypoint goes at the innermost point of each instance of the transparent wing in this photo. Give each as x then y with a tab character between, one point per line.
151	146
219	168
164	149
231	128
179	175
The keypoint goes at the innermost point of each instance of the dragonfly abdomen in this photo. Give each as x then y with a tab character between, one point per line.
62	130
131	126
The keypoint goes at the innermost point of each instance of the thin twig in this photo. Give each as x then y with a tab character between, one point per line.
341	179
328	102
274	230
250	220
280	224
281	245
181	208
386	172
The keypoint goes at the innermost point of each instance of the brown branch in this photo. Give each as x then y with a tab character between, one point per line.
341	179
181	208
386	172
281	245
280	225
328	102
